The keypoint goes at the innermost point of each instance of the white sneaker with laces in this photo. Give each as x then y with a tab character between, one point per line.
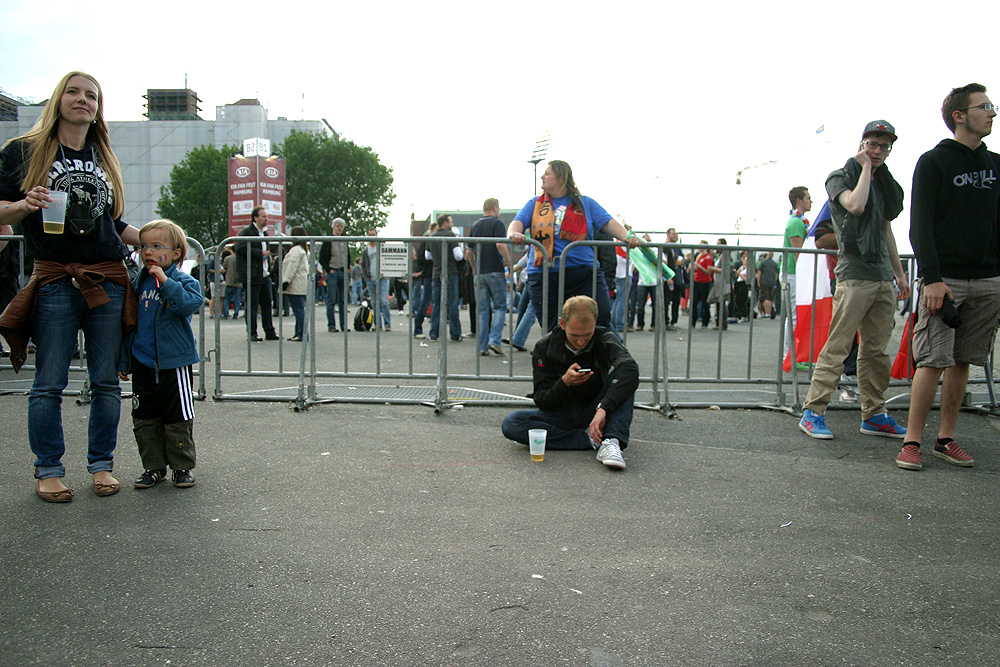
610	454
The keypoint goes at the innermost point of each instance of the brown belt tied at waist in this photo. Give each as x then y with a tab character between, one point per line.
16	322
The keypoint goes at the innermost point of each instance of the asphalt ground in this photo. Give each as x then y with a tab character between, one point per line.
360	534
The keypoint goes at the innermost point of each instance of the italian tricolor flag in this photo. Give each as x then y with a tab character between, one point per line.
812	325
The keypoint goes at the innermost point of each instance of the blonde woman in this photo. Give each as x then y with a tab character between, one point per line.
295	281
79	280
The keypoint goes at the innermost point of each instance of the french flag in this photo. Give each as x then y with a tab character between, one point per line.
812	325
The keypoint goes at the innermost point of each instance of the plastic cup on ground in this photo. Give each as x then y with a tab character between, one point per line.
536	443
54	217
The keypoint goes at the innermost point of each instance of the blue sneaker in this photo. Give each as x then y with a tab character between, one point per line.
814	426
883	425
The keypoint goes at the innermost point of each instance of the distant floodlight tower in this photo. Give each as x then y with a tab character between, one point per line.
537	155
739	174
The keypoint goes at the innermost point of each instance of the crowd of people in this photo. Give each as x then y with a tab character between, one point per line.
136	320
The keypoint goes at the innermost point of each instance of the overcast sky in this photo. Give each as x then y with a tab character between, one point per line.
655	106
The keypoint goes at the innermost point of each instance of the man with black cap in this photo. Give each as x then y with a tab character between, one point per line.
864	199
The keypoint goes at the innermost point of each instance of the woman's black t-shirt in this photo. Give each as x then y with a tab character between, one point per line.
90	194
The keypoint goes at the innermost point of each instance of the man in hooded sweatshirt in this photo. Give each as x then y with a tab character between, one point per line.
955	234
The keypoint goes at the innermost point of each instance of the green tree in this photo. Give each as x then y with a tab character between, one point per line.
329	177
197	197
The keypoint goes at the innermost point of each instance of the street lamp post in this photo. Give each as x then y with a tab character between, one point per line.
537	155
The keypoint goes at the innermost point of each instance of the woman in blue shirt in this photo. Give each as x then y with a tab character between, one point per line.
558	217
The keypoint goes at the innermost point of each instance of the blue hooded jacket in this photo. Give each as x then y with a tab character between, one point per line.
175	343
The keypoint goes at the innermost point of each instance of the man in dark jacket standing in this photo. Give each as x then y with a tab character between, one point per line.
955	234
450	253
335	258
584	386
254	277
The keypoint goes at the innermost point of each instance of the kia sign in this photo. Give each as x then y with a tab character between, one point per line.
242	192
256	181
271	183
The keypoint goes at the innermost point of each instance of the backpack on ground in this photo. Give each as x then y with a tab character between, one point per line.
363	318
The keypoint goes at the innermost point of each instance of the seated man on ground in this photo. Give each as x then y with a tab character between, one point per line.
584	386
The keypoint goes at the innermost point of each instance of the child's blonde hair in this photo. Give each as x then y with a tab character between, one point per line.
173	230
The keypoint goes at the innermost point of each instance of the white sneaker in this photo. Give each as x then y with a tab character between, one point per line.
610	454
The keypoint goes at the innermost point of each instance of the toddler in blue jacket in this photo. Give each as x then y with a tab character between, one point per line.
160	354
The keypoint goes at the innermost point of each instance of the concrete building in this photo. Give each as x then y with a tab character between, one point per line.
8	108
149	149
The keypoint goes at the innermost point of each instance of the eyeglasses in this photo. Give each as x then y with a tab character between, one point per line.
886	148
985	107
156	247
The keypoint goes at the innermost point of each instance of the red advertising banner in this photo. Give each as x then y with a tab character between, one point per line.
256	181
242	192
271	184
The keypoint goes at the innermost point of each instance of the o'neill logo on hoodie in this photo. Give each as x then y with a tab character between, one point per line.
982	179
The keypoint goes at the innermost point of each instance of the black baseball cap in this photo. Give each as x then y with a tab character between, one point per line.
879	127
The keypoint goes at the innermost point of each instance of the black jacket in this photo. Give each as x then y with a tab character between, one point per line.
954	225
604	353
256	258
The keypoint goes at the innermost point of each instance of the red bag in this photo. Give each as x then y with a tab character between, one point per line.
902	367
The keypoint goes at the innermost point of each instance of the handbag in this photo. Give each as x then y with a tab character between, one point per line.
715	292
79	221
80	226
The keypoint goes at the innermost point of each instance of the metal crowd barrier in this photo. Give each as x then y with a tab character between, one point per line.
78	366
723	375
311	368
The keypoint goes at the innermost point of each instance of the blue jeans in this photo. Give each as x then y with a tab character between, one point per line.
520	336
578	281
234	295
335	297
491	294
298	305
381	297
356	290
618	308
61	311
319	291
568	428
454	325
420	302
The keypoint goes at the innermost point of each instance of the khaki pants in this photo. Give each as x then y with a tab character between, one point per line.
866	307
162	444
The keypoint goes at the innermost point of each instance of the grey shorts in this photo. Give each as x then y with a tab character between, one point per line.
937	345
